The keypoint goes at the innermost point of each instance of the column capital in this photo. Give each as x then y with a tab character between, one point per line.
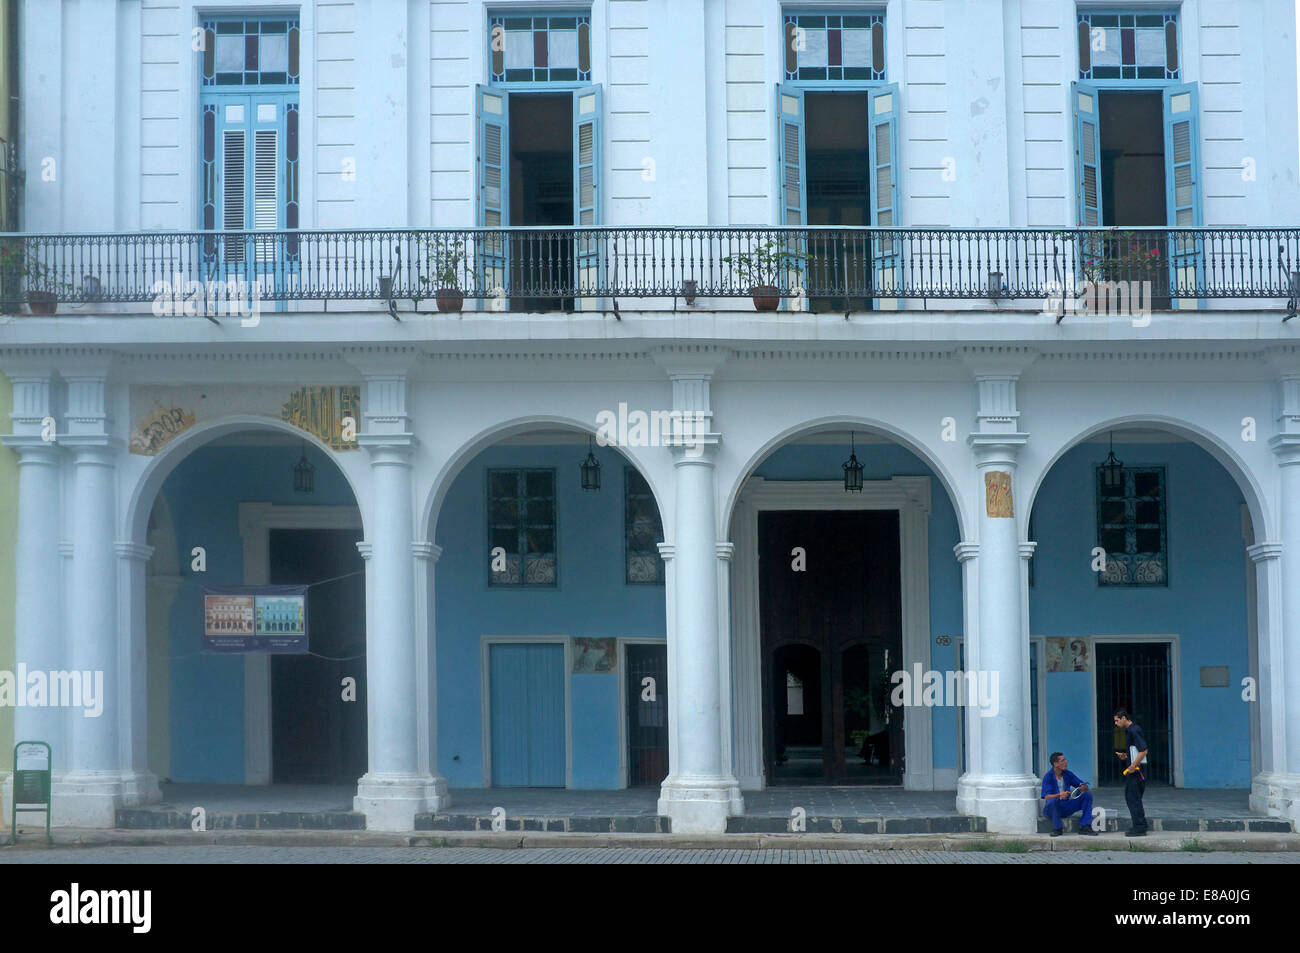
1263	552
997	449
1027	550
95	449
365	549
31	448
134	551
966	550
388	448
667	551
422	549
1286	447
726	550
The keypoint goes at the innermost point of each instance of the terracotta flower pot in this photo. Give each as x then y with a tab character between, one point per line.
766	297
450	299
43	303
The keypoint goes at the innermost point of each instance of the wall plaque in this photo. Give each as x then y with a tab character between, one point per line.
997	494
321	410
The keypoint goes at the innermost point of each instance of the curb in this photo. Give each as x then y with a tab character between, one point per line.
1153	842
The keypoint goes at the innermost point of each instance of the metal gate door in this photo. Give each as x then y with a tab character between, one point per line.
647	714
1135	676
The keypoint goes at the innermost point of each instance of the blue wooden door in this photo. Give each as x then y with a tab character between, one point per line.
526	691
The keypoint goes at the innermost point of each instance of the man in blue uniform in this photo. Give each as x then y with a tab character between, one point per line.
1057	803
1135	781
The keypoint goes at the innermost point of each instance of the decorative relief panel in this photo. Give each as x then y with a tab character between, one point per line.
997	494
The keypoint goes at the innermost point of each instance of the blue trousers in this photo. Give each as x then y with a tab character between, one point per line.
1057	811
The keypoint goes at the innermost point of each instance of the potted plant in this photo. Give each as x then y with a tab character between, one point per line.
446	260
17	262
762	267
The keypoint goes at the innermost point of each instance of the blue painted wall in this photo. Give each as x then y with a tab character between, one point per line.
1204	604
592	600
206	709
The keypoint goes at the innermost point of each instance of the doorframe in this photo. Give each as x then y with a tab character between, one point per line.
1175	692
256	520
910	496
623	741
485	695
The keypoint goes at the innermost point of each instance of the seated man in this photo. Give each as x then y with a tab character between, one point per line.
1058	805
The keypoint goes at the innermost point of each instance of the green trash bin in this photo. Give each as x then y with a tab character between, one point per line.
32	772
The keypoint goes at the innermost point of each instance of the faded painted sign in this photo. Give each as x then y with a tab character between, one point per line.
321	411
997	494
594	655
158	427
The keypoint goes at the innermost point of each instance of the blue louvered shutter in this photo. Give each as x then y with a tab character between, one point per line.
587	193
887	251
1183	193
493	191
1087	154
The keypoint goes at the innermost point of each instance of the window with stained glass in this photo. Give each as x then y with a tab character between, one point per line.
250	52
642	531
1132	529
555	48
1128	46
829	47
521	522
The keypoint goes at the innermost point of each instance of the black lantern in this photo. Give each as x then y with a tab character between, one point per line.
852	470
590	469
304	474
1112	469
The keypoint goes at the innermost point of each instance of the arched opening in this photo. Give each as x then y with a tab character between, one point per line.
549	613
865	580
1142	596
243	691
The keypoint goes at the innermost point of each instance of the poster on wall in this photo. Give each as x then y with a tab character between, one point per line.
255	619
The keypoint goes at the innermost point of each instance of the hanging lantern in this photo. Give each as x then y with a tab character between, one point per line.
304	474
852	470
1112	469
590	469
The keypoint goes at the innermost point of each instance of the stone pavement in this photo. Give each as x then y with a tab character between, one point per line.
601	855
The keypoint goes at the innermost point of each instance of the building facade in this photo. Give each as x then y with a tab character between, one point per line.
1027	405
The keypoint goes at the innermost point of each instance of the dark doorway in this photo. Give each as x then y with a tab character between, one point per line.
831	635
837	153
316	736
1132	133
541	193
647	714
1135	676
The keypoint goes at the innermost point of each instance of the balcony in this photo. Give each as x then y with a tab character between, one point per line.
561	269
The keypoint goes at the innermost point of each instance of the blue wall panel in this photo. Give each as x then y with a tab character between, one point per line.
1204	603
206	709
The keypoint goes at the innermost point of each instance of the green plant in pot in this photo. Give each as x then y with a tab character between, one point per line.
19	265
762	267
446	260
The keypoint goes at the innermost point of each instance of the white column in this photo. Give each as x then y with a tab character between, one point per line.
1266	787
698	793
426	663
139	784
92	790
394	789
1285	682
38	628
1002	791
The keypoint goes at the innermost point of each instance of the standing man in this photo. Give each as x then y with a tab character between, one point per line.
1057	803
1135	782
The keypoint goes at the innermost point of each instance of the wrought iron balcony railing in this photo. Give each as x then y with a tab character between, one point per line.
834	268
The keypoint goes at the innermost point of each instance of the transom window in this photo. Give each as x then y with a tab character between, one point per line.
1128	46
555	48
828	47
1131	528
643	530
252	52
521	521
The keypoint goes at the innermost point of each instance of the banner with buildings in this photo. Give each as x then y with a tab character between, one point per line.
255	619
